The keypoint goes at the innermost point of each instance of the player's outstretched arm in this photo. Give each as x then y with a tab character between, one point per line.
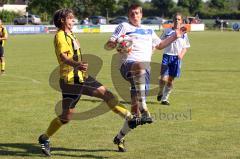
82	66
164	43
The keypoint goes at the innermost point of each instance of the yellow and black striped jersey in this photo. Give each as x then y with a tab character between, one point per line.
63	43
3	33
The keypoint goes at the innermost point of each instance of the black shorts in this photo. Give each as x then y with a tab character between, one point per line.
1	51
74	91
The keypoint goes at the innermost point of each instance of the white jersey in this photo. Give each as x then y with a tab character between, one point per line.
175	47
143	38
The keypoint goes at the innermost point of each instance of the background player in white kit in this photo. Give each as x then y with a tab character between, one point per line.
171	61
135	64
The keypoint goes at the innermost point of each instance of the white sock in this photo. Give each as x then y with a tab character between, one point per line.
166	92
140	84
142	97
128	116
124	131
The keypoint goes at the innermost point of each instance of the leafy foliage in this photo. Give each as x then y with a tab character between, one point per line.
193	6
163	6
7	16
111	8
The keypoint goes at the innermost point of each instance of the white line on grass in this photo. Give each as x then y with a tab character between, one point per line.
21	77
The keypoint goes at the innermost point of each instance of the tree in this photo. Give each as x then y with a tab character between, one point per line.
85	8
124	4
106	7
82	8
2	2
164	6
233	5
193	6
219	4
183	11
48	6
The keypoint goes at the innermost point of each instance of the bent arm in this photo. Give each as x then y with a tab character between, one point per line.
4	37
112	42
164	43
178	33
79	65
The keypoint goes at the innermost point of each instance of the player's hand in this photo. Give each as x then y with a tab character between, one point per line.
110	45
182	30
180	56
82	66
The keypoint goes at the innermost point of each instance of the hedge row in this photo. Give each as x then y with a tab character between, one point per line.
222	15
7	17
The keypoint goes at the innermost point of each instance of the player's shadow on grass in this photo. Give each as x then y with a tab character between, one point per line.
121	101
29	149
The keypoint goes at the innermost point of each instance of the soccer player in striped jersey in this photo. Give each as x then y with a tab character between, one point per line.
134	65
3	38
171	61
74	80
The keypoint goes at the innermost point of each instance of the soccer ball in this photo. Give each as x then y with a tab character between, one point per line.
124	44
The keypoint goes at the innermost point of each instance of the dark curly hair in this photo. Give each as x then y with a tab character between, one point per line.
61	15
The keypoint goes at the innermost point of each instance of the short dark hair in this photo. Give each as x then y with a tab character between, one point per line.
135	6
177	14
60	15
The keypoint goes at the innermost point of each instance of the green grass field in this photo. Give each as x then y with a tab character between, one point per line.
202	122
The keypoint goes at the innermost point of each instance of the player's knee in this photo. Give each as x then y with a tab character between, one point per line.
66	117
135	110
140	72
170	83
164	79
103	93
138	69
115	110
111	100
64	121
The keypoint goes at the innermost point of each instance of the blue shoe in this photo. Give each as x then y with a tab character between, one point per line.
45	145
